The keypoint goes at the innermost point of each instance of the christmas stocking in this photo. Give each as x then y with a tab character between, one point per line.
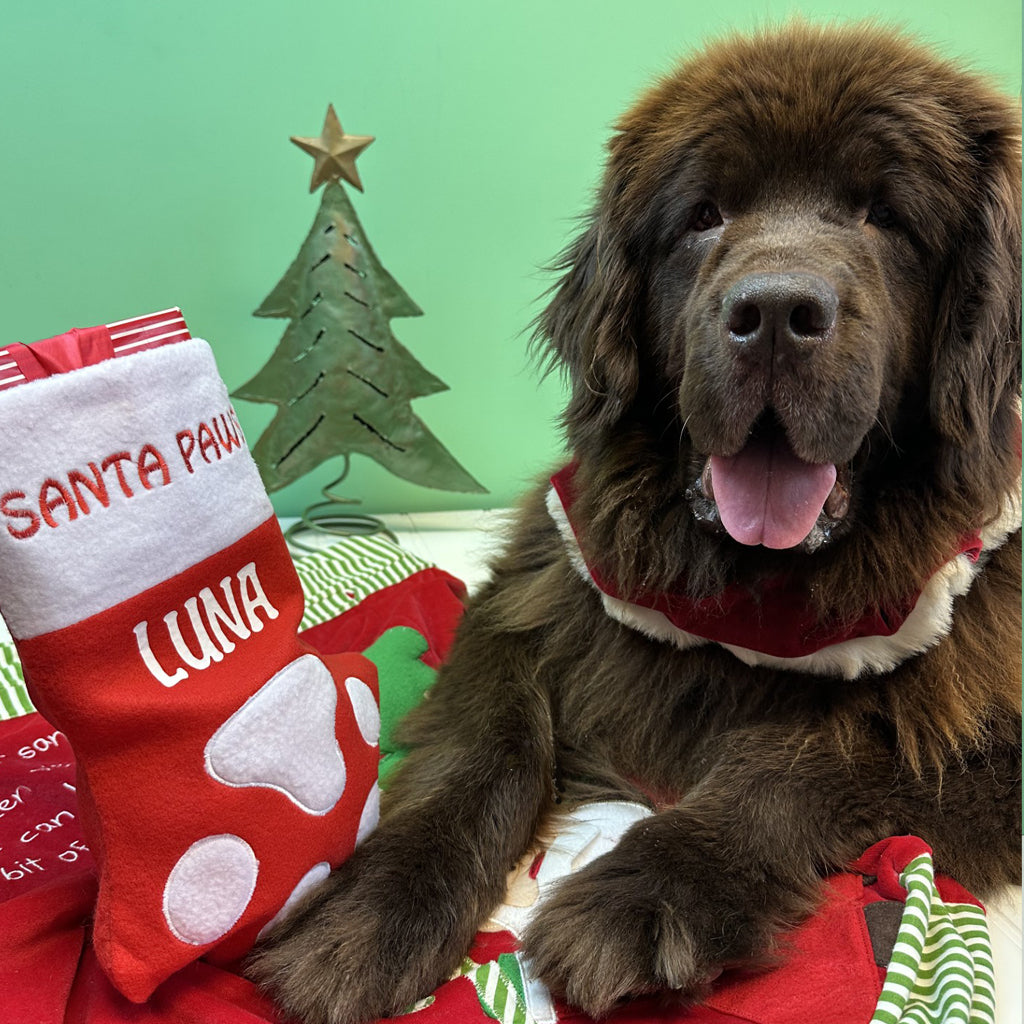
222	765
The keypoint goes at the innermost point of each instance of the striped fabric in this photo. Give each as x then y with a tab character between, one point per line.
13	695
339	577
333	581
500	989
129	336
150	331
941	969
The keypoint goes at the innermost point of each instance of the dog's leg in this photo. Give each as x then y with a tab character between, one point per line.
710	883
394	921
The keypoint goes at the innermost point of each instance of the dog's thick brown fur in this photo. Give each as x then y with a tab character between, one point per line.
856	158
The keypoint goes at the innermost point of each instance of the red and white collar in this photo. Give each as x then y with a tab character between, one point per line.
777	627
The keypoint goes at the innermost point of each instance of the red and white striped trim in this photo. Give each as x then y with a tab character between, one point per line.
151	331
129	336
10	375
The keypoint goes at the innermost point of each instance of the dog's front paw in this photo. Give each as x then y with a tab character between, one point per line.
367	944
604	935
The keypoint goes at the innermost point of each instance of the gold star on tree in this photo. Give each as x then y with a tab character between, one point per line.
335	152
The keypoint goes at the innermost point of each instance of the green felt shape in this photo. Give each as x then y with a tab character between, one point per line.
341	380
404	682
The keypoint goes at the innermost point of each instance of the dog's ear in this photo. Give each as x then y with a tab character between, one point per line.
976	361
589	325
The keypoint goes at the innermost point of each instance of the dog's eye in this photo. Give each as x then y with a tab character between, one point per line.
881	215
705	217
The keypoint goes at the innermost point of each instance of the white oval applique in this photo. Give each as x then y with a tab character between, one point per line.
371	814
313	877
364	706
209	888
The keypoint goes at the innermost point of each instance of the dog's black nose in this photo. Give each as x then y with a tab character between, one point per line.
775	312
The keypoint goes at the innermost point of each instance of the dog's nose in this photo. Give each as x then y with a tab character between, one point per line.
775	313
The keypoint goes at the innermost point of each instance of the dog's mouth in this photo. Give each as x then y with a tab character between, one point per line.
767	495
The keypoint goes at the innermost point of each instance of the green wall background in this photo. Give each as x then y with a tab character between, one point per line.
145	163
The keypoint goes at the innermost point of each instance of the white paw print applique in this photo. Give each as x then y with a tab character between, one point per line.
282	738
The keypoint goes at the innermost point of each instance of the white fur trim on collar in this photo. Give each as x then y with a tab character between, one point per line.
930	620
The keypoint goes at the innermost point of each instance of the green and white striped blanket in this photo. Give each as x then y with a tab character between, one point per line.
13	695
941	967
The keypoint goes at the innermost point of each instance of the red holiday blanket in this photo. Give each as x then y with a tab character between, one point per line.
832	972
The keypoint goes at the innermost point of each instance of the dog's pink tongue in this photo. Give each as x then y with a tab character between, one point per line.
766	495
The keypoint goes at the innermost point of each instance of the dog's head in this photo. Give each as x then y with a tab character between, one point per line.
799	290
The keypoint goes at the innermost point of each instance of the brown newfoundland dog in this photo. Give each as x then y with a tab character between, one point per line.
777	588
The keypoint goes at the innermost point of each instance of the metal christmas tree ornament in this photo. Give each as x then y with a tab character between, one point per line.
341	380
